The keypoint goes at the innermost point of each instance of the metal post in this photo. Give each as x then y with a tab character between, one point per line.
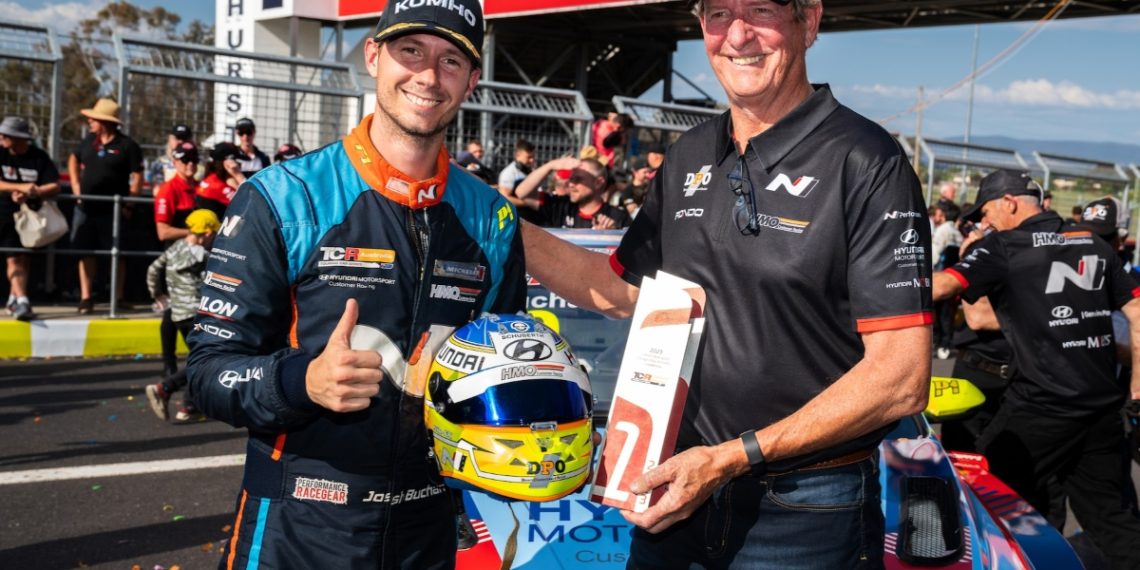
970	107
486	133
294	33
55	145
115	225
667	81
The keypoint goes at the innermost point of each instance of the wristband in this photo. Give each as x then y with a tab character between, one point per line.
755	455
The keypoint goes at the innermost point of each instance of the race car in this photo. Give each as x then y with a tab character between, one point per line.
942	509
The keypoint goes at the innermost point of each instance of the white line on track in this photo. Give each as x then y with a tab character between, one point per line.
118	469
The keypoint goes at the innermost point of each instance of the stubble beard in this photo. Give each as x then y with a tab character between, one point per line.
413	132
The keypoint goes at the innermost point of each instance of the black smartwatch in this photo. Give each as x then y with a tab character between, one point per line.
755	456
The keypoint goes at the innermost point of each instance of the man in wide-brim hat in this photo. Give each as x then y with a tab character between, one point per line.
106	163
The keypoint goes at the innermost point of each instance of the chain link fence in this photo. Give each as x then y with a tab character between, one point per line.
557	121
31	80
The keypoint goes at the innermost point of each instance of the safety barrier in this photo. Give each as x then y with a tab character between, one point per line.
31	79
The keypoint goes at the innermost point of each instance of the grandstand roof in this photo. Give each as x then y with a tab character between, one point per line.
548	47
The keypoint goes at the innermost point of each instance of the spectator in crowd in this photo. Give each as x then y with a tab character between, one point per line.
223	177
324	246
515	172
1052	293
1047	202
786	413
585	206
106	163
944	253
173	203
948	192
27	176
250	159
1075	218
174	280
654	156
609	135
472	161
163	169
287	151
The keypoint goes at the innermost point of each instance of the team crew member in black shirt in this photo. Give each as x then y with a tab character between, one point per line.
805	225
106	163
27	175
250	159
1053	291
584	206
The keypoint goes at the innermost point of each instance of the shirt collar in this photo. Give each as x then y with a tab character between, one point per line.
772	145
386	179
1046	217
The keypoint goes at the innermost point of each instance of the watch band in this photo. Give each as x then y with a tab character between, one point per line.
755	455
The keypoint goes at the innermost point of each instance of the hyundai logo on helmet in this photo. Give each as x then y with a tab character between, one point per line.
909	237
528	350
1062	312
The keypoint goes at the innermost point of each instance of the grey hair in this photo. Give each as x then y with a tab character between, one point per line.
799	6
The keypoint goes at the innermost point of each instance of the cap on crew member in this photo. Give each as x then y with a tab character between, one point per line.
1002	183
457	21
182	132
224	151
186	151
1100	217
245	124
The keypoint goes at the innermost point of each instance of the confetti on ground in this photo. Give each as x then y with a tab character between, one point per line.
102	402
176	567
179	517
96	487
130	398
112	418
227	528
37	419
208	547
168	508
159	567
136	567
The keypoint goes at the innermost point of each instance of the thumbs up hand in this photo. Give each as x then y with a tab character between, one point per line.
342	379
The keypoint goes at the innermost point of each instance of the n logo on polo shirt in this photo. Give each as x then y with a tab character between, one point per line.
800	188
1089	274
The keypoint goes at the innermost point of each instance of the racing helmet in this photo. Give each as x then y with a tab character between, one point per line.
509	410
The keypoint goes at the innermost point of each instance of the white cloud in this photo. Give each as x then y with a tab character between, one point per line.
1023	92
61	16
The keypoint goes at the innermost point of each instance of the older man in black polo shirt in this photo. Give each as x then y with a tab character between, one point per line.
805	225
1053	289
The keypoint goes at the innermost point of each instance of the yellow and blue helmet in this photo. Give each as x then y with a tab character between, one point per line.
510	410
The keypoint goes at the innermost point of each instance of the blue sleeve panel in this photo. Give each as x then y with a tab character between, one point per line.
492	222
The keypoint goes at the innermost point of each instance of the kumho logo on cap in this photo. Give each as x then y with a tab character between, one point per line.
457	7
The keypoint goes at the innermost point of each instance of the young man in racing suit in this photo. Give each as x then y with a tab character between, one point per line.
327	273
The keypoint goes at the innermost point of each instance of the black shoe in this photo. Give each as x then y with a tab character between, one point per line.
86	306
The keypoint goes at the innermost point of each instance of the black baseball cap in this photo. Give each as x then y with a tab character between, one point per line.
245	124
186	151
224	151
1001	183
457	21
182	132
1099	217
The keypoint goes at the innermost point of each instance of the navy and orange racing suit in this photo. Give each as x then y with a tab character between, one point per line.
343	490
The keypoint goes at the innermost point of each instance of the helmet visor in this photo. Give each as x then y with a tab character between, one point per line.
485	398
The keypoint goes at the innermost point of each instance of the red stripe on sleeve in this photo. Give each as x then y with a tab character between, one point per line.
961	278
1136	292
616	265
894	323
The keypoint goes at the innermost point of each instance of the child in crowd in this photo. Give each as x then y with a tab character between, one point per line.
182	267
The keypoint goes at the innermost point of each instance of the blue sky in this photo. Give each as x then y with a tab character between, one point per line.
1075	80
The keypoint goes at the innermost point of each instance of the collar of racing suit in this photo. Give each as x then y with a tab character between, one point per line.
386	179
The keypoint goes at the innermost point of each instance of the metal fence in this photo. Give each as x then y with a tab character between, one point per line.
309	103
942	156
31	79
557	121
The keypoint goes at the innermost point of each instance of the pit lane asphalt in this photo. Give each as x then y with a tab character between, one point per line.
77	413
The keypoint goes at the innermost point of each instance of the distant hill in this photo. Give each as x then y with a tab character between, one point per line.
1123	154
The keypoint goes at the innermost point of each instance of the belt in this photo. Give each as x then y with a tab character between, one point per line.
971	358
853	457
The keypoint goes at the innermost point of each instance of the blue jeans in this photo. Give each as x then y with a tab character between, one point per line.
809	519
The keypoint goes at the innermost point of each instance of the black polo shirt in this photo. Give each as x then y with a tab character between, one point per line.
1053	289
842	250
106	168
253	162
560	212
34	166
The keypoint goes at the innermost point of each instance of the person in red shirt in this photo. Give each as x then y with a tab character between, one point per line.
174	199
173	202
222	181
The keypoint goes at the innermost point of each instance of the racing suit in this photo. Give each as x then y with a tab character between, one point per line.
343	490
